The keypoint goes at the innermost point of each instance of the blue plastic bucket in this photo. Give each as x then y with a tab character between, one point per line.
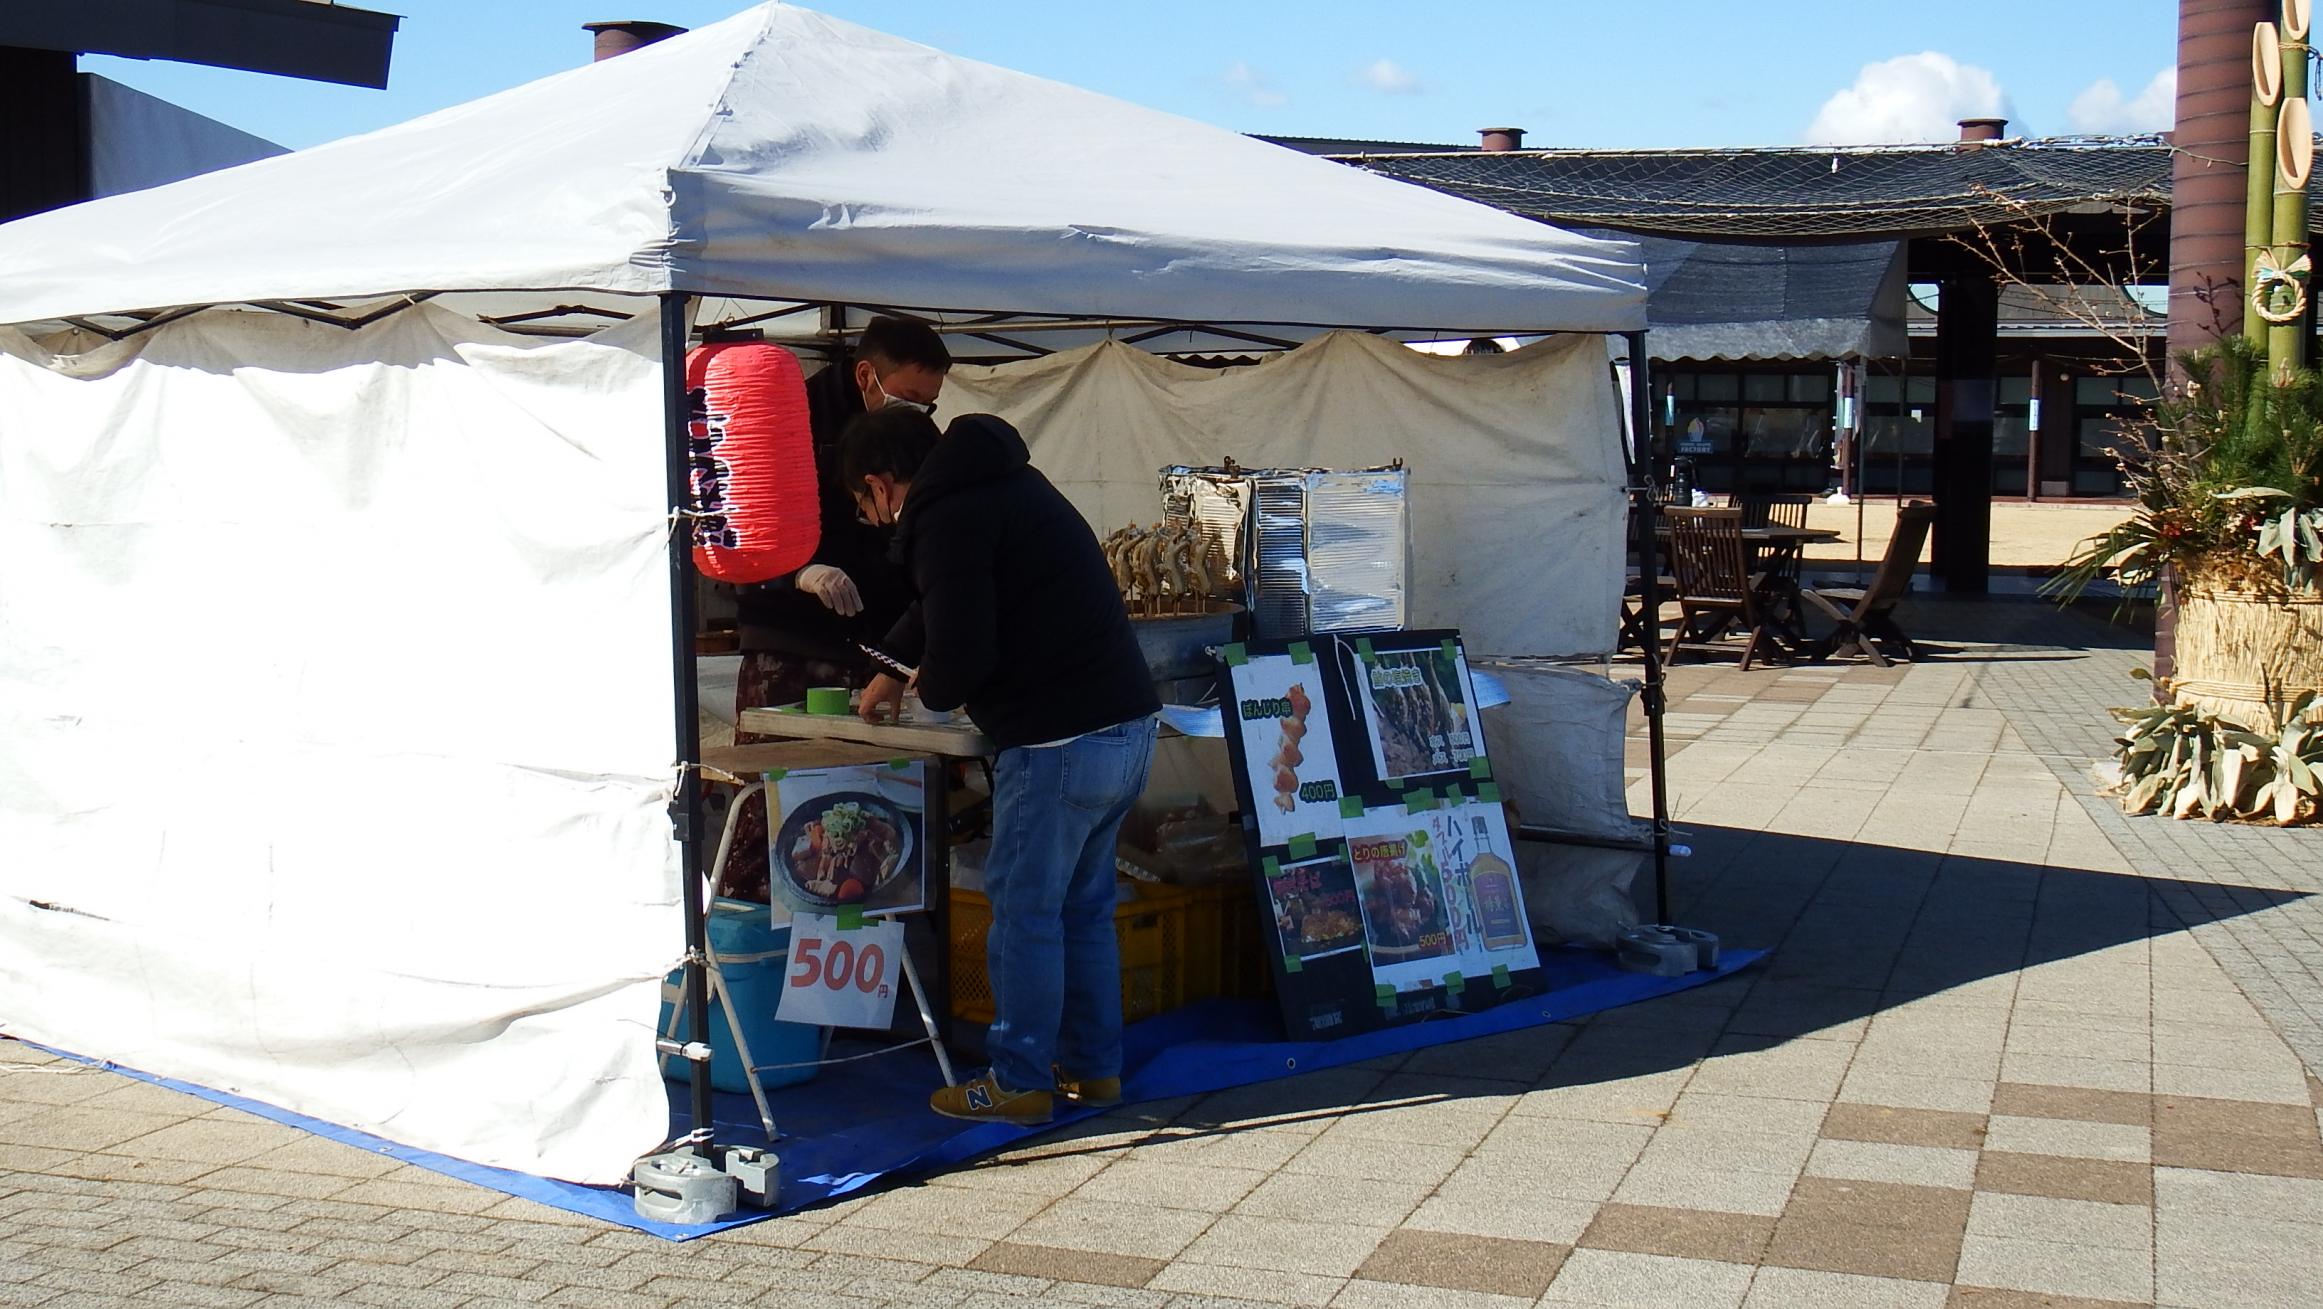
753	954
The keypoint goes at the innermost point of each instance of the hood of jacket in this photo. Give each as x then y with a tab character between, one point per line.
976	449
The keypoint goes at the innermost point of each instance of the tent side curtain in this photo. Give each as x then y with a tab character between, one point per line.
1517	509
1748	301
314	784
785	154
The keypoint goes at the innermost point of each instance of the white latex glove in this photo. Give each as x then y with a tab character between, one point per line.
834	588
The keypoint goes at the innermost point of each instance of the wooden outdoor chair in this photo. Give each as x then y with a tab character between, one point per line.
1866	615
1636	627
1715	593
1777	565
1772	510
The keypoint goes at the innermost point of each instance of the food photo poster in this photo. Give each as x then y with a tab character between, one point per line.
1418	710
1438	896
852	837
1290	759
1315	910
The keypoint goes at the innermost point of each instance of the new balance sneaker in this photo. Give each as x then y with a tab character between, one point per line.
1092	1093
983	1100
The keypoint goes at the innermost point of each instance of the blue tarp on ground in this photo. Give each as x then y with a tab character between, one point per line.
862	1122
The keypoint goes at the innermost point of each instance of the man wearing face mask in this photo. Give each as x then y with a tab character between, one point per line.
1019	623
801	631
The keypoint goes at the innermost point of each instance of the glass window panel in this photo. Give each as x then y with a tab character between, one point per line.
1711	388
1881	390
1682	385
2097	392
1761	388
2016	390
1922	390
1811	387
1785	433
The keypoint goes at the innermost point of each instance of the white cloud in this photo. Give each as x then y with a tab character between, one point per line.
2102	108
1918	97
1249	84
1388	77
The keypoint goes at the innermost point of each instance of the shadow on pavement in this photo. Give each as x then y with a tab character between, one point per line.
1855	931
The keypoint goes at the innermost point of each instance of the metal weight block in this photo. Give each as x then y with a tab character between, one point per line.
682	1187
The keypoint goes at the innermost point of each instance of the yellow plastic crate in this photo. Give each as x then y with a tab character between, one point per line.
1227	944
1153	929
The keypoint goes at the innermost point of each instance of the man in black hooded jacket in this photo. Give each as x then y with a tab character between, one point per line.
1019	621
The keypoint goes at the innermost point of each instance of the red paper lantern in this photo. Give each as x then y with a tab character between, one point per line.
752	452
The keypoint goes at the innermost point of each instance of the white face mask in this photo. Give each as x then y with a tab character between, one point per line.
888	401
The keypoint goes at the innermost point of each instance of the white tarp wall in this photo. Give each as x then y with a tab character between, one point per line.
1516	475
269	821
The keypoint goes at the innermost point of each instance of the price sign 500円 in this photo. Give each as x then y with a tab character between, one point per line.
841	978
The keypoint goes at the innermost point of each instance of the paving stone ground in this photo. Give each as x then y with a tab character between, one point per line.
2011	1050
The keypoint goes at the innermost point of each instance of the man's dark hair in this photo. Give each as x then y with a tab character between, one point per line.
894	441
903	342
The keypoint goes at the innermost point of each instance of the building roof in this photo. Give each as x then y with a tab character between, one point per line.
322	42
1796	192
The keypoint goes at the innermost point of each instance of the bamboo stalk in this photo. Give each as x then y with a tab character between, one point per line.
2258	219
2294	160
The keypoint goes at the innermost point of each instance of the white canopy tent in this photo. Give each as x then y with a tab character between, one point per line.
261	827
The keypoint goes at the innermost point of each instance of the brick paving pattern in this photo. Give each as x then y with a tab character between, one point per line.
2011	1050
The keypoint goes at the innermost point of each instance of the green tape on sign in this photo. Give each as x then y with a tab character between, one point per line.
1500	976
1271	865
850	917
1291	964
1302	846
774	774
1480	767
1235	655
901	764
1455	983
1302	653
1386	995
1350	806
1489	793
1451	648
1396	784
1419	802
1363	648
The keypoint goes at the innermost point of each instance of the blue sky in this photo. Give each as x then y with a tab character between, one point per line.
1674	73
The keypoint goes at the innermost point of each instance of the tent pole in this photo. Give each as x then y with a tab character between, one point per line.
686	804
1646	515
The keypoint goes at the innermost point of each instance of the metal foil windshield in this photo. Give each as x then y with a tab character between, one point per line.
1311	549
1358	537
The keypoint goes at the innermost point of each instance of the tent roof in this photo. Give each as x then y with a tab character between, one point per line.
785	154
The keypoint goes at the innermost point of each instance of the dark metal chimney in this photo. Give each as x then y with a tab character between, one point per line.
1983	129
1501	138
619	38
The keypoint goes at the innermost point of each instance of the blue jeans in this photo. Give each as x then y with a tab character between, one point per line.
1052	955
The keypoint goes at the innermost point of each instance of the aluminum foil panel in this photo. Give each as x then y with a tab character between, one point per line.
1358	544
1278	556
1306	549
1217	503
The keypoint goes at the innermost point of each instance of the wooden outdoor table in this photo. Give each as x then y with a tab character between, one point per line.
1777	548
957	739
830	741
